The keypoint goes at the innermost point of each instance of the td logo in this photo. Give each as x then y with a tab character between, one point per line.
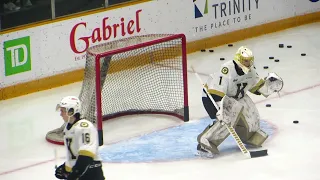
197	11
17	56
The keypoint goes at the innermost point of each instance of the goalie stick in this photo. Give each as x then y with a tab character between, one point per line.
244	150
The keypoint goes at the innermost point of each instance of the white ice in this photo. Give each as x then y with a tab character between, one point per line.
293	151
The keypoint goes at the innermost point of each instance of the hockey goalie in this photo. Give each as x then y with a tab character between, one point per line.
229	89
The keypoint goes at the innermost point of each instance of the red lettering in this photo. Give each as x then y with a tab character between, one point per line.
129	26
115	27
106	35
105	32
138	20
72	38
96	35
123	33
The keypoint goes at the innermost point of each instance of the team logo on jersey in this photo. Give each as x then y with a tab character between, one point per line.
224	70
84	124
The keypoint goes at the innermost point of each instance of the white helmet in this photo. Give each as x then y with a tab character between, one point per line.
241	56
71	103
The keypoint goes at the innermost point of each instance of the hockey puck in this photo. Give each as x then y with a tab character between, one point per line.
221	59
276	60
281	45
289	46
230	45
271	57
303	54
203	50
295	122
268	105
265	67
211	50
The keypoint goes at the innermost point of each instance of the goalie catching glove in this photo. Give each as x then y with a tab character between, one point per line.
273	83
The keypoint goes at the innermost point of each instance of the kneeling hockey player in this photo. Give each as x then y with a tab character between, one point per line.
229	89
81	142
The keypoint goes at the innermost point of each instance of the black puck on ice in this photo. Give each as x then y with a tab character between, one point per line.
303	54
271	57
281	45
203	50
211	50
265	67
276	60
221	59
296	122
268	105
230	45
289	46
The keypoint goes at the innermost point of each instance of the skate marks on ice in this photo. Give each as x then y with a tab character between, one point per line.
172	144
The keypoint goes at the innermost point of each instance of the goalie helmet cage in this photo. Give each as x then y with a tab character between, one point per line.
137	75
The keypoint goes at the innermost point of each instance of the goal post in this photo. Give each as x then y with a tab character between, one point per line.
144	74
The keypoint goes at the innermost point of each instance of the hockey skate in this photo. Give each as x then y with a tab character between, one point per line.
205	152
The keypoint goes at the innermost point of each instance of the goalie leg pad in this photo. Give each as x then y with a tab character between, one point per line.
216	133
257	139
212	137
229	111
249	123
250	117
242	129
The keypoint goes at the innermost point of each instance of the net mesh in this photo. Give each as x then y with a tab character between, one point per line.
140	74
145	79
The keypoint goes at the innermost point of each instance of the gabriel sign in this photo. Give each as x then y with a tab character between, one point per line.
104	32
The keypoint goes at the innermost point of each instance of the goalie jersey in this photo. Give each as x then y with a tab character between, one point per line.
80	139
233	82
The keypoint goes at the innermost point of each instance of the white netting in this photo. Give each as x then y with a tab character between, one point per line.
141	74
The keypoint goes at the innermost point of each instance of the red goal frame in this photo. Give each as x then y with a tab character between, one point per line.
100	118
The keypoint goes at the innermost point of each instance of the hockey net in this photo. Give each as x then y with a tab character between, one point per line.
137	75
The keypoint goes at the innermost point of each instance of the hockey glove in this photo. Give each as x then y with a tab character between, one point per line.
61	172
274	82
80	167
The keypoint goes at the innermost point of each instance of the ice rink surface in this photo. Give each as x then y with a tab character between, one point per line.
293	148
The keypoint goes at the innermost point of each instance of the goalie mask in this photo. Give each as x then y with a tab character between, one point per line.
244	58
72	105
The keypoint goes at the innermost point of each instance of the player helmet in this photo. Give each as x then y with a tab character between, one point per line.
244	58
71	103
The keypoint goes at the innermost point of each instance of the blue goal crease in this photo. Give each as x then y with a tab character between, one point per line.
172	144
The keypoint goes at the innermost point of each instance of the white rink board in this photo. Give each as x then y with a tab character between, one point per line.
51	51
223	15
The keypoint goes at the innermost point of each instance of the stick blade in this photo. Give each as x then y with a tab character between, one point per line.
260	153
